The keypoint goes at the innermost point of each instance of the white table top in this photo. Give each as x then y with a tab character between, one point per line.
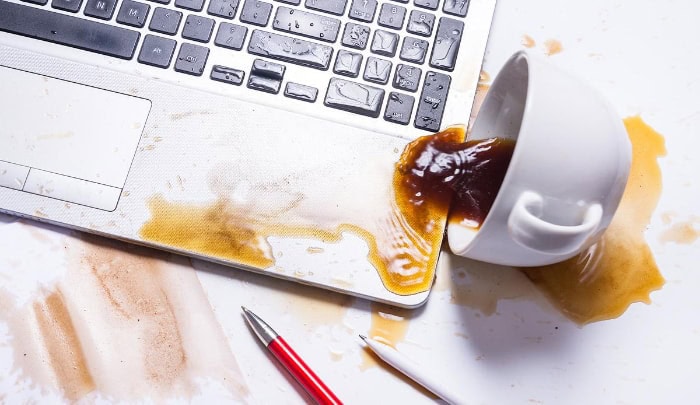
504	343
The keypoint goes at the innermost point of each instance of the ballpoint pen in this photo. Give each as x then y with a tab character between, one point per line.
412	370
290	360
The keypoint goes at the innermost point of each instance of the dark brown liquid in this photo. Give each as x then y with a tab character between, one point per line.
436	168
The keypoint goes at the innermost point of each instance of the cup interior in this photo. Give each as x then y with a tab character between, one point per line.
502	112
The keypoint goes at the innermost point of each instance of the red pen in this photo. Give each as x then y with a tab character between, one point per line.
290	360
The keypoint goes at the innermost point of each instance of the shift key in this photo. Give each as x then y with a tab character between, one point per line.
288	49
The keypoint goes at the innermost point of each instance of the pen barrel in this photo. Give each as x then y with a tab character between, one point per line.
302	373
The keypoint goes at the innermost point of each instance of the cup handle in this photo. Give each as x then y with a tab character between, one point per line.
528	229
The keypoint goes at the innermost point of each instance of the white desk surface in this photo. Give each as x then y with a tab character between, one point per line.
509	345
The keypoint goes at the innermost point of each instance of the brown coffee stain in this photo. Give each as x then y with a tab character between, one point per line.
527	41
682	233
403	249
389	325
125	322
552	47
63	346
604	281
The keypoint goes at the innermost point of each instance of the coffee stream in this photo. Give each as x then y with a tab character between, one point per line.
466	175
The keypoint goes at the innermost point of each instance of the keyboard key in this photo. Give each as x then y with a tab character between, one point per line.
413	50
354	97
223	8
301	92
456	7
363	10
198	28
432	101
431	4
67	30
306	24
391	16
407	77
39	2
384	43
194	5
355	36
347	63
377	70
161	1
447	39
191	59
67	5
336	7
157	51
288	49
227	75
420	23
103	9
165	21
230	36
399	108
265	84
256	12
268	69
292	2
133	13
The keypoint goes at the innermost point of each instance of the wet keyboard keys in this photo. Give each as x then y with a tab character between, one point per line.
336	7
431	104
413	50
227	75
306	24
398	108
288	49
384	43
407	77
354	97
377	70
456	7
266	76
223	8
391	16
446	46
363	10
230	36
301	92
430	4
355	36
347	63
420	23
256	12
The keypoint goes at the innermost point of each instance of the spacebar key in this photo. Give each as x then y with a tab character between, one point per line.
67	30
288	49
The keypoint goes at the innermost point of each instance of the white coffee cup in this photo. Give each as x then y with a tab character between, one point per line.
567	173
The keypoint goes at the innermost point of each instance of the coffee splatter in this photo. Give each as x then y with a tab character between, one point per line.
527	41
682	232
125	323
620	269
552	47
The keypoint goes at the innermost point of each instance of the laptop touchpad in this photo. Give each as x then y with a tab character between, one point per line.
65	140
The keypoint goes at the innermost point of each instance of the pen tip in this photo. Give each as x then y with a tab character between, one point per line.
364	338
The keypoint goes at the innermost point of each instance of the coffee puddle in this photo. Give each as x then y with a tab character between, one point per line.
604	281
124	323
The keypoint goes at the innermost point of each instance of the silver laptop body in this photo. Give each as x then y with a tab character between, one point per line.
260	135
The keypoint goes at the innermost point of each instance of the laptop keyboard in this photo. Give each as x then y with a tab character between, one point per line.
413	47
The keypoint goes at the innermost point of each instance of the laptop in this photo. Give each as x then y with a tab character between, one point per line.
262	135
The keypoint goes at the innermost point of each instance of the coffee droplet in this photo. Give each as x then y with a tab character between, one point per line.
602	282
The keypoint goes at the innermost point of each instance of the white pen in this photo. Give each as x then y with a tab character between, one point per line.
411	369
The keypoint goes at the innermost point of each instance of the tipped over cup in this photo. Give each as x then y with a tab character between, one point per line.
567	173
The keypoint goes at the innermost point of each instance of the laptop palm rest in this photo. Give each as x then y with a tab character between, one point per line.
65	140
